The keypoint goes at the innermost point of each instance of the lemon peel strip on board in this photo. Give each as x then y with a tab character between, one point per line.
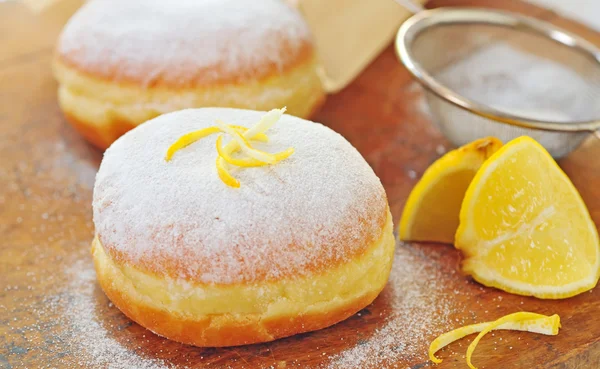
521	321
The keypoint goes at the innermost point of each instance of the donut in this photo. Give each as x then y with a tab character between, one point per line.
303	243
120	63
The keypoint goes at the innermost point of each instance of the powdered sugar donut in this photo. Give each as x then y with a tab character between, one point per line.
120	63
299	246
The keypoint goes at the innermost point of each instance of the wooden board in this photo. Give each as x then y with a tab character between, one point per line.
52	314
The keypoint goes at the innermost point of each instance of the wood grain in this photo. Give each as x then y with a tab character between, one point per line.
53	315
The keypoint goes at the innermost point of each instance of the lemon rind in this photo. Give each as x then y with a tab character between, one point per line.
519	321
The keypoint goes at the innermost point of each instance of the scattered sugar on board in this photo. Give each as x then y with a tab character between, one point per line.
98	348
417	307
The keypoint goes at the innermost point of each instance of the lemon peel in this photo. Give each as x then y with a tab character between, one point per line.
520	321
261	137
236	161
241	136
244	145
189	138
224	174
267	121
279	156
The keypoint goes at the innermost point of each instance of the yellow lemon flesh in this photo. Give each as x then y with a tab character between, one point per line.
525	229
431	211
521	321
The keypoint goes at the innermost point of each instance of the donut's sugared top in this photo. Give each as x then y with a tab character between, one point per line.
320	207
184	42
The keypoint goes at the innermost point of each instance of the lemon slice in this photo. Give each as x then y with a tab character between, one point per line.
525	229
431	211
521	321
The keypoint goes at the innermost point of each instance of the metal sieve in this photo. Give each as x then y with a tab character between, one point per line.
495	73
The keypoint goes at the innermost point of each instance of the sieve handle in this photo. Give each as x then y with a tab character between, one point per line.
411	6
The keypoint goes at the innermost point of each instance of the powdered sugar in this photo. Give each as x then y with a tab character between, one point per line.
321	205
420	309
520	83
183	40
99	348
518	74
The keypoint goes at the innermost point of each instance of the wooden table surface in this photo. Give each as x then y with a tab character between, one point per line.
52	313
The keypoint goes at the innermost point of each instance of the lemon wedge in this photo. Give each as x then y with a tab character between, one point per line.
521	321
525	229
431	211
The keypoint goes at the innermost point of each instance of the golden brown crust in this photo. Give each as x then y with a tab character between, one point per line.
101	136
214	316
103	110
115	74
230	330
294	58
349	247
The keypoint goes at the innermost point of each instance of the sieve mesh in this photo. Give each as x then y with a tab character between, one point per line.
513	70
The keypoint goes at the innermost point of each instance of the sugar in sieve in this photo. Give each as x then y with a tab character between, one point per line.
495	73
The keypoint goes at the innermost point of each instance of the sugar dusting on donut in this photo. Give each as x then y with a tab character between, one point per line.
321	206
175	42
